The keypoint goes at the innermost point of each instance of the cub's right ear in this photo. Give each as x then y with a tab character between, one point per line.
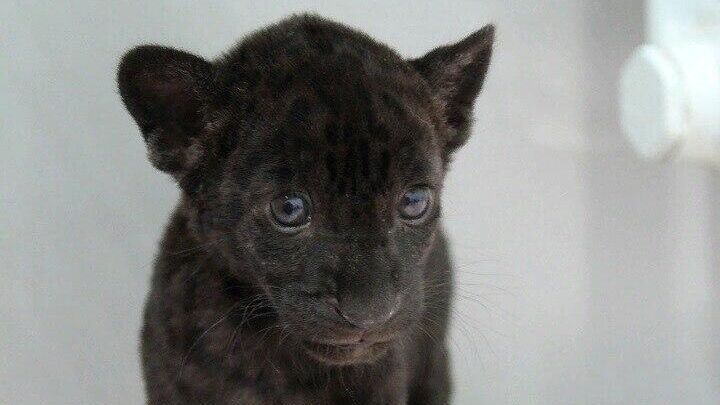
165	90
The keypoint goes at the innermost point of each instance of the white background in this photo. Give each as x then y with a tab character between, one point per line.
585	275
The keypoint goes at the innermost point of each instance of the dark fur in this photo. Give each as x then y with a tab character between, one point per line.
312	107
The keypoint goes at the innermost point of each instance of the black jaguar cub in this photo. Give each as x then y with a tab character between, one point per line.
305	262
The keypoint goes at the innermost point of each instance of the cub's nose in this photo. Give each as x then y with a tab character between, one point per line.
367	316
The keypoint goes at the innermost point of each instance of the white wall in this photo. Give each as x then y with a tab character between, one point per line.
585	275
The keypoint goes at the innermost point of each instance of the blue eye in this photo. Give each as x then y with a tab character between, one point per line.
414	203
290	211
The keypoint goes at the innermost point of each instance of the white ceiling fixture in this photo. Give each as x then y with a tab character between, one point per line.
670	86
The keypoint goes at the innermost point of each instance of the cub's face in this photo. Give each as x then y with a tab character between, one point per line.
335	200
317	157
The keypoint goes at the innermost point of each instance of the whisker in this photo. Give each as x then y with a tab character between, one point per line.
199	338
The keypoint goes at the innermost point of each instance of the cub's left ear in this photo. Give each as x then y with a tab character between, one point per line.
456	73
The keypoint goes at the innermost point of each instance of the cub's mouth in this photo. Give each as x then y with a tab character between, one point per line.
362	351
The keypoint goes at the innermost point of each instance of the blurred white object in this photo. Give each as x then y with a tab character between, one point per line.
670	87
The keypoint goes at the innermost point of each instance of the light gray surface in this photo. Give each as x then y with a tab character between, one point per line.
585	276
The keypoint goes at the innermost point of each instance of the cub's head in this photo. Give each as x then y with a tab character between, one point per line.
317	156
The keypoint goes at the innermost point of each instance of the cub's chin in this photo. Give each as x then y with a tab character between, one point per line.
343	354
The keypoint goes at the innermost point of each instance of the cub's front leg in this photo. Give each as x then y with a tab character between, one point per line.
433	386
